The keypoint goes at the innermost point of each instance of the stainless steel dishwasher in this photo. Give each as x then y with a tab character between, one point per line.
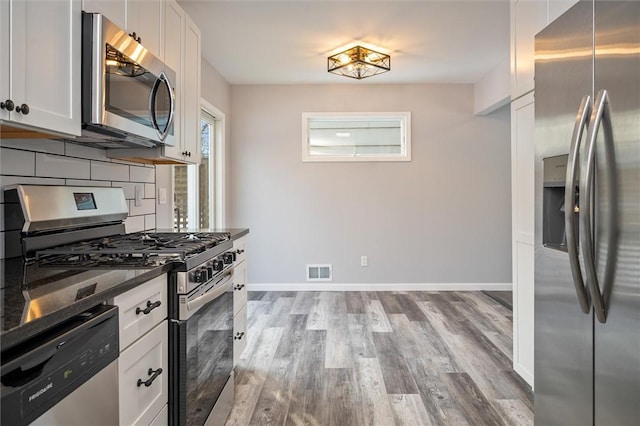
66	375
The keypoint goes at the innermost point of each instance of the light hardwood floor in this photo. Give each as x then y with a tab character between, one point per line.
378	358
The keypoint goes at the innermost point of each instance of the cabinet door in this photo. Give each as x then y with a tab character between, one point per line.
528	17
174	23
191	91
239	287
140	404
523	198
239	334
140	309
45	63
144	17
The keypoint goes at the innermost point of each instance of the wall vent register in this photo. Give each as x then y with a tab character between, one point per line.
319	272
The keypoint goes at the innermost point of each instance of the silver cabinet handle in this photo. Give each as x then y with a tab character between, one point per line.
569	202
601	114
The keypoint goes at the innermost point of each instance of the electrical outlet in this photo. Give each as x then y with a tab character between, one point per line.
162	195
137	201
364	260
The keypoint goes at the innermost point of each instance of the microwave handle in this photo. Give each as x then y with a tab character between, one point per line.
162	79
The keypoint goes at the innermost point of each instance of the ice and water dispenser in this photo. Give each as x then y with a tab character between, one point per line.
553	221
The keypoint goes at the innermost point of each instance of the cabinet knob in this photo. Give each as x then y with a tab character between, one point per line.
24	109
8	105
239	335
153	373
189	154
133	35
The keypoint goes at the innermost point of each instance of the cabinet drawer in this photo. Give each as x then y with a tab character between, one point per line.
140	311
239	287
239	334
139	403
240	247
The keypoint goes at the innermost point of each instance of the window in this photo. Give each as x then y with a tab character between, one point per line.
197	203
344	136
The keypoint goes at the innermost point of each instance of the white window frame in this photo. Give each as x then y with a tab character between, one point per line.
404	117
219	198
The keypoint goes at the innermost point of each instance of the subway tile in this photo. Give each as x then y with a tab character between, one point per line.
101	170
85	151
149	190
16	162
143	174
149	222
148	206
48	165
39	145
79	182
129	188
134	224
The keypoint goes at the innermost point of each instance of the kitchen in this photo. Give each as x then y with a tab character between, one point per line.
451	204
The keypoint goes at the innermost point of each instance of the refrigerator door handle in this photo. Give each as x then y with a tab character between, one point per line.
601	114
582	119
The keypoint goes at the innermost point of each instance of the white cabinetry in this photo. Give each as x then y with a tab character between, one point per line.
181	44
40	65
143	17
528	17
143	363
522	210
239	299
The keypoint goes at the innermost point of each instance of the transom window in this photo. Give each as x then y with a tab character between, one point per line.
346	136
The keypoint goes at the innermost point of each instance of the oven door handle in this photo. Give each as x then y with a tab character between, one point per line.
215	292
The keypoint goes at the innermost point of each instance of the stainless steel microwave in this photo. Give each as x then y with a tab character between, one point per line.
128	97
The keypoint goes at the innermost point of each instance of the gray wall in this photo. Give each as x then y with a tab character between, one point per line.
444	217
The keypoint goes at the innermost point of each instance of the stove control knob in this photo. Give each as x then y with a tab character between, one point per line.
209	272
228	257
218	264
200	275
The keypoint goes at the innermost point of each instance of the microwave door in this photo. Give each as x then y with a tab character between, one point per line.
162	106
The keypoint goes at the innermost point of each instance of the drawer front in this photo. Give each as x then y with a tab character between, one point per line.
139	311
240	247
239	287
239	334
139	403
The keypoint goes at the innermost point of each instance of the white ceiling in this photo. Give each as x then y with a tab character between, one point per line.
287	42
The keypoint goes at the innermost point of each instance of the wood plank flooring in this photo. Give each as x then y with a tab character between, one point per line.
378	358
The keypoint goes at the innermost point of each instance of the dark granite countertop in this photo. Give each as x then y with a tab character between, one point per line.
30	299
34	298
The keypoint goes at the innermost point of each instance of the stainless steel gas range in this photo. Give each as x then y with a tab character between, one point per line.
67	229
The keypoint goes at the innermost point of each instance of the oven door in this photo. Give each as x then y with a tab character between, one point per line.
202	350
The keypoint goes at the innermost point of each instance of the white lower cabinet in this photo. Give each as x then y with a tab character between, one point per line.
143	378
162	418
143	362
239	299
239	334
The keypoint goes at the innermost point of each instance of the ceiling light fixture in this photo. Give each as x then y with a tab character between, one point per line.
358	62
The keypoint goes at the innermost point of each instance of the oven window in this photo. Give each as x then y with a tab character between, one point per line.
128	88
209	357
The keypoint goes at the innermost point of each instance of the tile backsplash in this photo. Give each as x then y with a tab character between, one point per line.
52	162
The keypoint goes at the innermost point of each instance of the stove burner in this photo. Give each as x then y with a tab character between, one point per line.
129	249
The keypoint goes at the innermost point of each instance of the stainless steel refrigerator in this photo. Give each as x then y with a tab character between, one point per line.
587	216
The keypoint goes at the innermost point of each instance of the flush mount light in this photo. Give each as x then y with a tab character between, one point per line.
358	62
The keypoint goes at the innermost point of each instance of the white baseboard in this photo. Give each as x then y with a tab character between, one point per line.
325	286
522	372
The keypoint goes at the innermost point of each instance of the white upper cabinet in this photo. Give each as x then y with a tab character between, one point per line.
191	91
528	17
40	64
143	17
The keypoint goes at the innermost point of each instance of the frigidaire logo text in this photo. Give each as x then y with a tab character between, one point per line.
41	391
